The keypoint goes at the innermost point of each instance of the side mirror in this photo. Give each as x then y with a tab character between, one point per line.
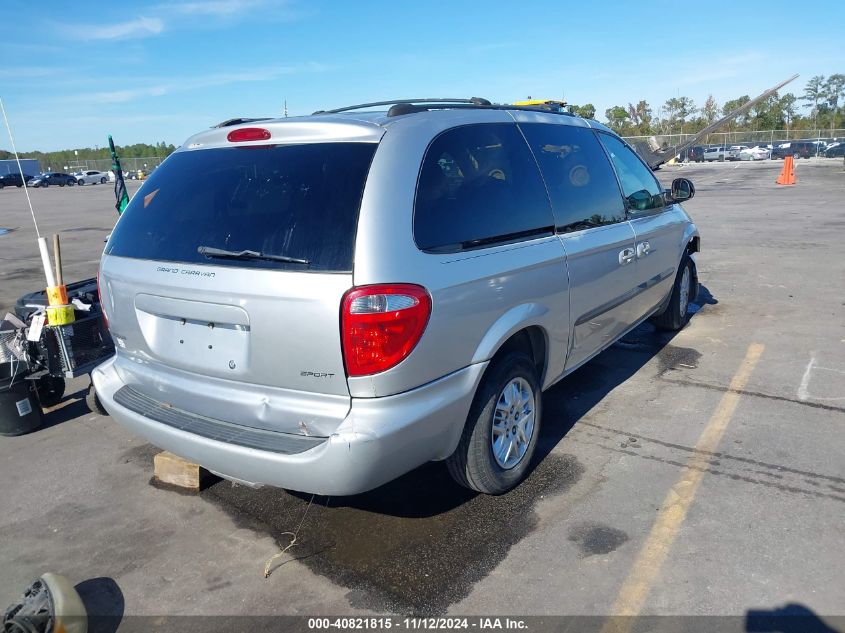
682	189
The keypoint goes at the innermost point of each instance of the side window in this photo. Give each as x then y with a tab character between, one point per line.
639	186
579	178
479	185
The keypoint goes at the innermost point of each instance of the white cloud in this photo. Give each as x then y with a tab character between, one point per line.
214	7
139	27
12	71
257	74
194	82
118	96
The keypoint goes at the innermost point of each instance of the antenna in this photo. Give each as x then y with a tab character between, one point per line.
20	169
42	241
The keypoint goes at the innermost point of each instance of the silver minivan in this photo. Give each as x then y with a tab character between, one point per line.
324	303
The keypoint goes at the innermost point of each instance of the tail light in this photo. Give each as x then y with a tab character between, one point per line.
102	303
248	134
381	325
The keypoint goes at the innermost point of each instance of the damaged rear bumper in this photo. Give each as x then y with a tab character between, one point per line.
380	439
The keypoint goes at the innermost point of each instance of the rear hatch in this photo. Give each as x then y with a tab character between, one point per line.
223	279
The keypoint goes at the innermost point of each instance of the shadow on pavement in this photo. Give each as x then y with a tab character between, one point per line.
577	394
791	618
71	407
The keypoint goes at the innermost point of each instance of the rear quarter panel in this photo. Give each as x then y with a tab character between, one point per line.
479	298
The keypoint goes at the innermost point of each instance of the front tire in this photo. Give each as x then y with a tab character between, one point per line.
103	181
80	182
502	428
676	314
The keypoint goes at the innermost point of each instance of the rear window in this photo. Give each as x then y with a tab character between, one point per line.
293	201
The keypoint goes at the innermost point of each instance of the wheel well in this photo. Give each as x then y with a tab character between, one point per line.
530	341
694	245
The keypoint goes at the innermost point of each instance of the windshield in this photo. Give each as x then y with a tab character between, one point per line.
288	203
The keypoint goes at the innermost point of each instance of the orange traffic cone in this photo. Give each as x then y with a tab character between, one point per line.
787	174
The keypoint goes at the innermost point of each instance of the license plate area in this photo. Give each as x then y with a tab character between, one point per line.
212	338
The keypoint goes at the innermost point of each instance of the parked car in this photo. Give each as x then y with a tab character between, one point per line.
754	153
733	152
52	178
835	150
14	180
91	177
798	149
340	305
714	153
692	154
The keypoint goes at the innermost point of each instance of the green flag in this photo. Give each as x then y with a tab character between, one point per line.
119	184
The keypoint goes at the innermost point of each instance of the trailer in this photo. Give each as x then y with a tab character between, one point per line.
30	166
62	352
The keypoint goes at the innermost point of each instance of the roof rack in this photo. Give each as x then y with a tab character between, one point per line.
239	120
409	106
477	101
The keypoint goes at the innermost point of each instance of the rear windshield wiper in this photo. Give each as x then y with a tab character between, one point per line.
210	251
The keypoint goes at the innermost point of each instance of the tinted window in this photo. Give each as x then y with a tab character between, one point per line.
639	186
297	201
579	178
479	185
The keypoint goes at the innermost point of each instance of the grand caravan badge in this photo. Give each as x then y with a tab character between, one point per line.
184	271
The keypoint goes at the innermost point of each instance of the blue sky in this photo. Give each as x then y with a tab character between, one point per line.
149	72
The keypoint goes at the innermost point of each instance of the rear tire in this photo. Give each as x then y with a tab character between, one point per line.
676	314
502	428
93	402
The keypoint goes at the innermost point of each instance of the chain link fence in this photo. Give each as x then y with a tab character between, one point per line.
104	164
767	137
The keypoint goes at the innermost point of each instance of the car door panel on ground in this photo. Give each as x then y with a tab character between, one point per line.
658	228
591	225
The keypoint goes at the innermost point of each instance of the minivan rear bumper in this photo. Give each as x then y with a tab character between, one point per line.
380	439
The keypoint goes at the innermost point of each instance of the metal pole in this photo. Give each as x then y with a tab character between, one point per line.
57	256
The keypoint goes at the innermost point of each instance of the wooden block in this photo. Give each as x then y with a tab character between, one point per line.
172	470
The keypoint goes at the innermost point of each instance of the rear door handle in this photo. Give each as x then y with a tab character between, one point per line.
626	256
643	249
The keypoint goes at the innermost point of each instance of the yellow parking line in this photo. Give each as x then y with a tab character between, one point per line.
640	579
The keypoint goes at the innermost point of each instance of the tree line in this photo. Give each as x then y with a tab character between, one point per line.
820	106
57	160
